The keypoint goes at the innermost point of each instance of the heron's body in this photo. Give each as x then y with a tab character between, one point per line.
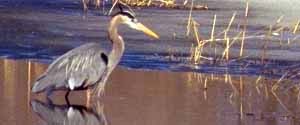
79	68
88	64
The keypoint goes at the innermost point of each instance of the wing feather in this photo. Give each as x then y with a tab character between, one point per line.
83	63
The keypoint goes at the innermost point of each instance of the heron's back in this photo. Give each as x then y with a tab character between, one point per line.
79	67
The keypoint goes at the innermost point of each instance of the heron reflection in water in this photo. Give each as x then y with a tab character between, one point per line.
69	114
88	65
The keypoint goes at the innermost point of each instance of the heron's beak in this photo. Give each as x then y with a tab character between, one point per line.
147	31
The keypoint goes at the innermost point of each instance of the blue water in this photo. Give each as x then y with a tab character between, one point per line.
157	61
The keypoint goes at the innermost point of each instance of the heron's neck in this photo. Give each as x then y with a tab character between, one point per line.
117	42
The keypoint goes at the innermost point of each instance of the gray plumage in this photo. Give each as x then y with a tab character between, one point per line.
89	65
83	65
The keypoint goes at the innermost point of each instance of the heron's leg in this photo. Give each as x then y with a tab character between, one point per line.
66	98
88	98
99	90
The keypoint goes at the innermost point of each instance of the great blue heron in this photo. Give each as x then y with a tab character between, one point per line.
88	64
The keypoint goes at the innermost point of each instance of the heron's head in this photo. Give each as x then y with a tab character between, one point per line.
129	19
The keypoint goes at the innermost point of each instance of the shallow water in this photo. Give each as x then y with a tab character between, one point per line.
237	92
148	98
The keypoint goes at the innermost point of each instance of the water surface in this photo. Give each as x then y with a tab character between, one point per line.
149	98
143	90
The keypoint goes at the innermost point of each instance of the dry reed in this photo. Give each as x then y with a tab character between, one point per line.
296	27
188	27
244	29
